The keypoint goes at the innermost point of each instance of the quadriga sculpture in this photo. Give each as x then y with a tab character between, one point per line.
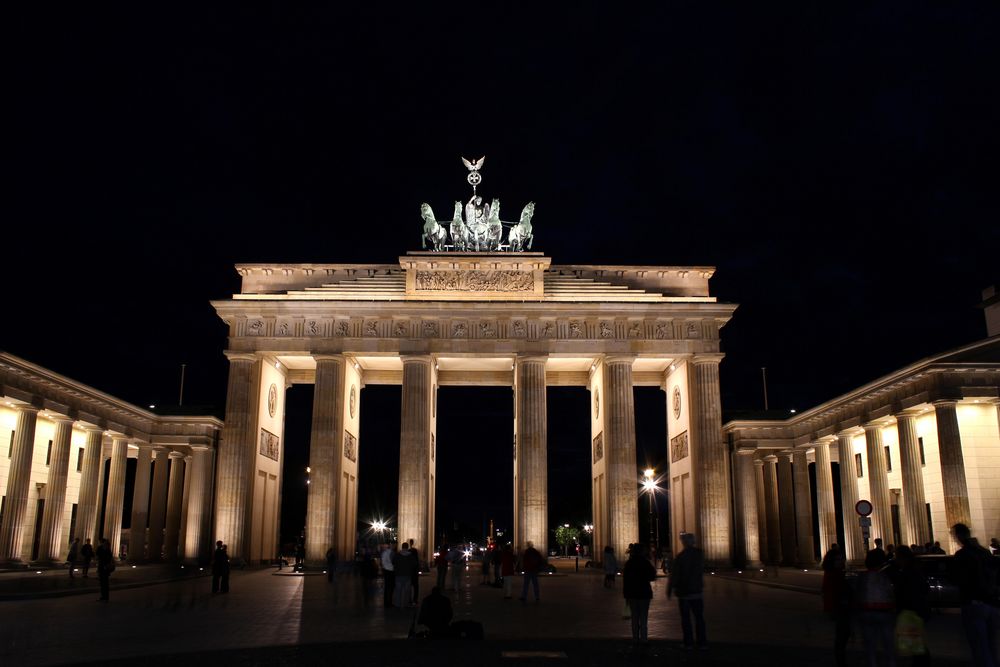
520	236
433	231
459	232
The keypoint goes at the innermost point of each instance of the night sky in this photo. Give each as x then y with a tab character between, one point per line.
837	165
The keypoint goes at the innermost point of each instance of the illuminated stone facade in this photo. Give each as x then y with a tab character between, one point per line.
64	438
438	319
922	444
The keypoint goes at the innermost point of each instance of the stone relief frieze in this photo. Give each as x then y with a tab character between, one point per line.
517	328
575	329
475	281
692	330
350	447
343	328
635	330
487	329
599	447
269	445
459	330
283	329
607	330
255	327
430	329
401	329
312	328
662	330
548	330
679	447
371	328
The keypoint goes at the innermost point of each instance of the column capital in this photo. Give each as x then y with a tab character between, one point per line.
746	452
116	437
707	358
619	359
771	458
61	418
318	357
531	359
416	359
240	356
907	413
175	455
759	462
944	403
26	408
872	426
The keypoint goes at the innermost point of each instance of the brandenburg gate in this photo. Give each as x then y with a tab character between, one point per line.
473	312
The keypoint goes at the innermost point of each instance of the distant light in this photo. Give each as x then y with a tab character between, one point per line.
739	571
565	525
38	572
307	481
805	570
133	567
152	407
762	570
792	411
309	469
277	364
713	573
201	569
648	472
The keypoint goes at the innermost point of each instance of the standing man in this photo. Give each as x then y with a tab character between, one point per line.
331	563
441	565
455	557
415	582
406	567
220	569
105	566
87	553
74	550
531	563
388	576
977	574
686	581
636	577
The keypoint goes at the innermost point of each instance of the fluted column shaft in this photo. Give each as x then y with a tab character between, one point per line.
140	505
532	454
158	504
710	459
186	497
825	505
199	506
87	504
18	480
325	453
854	546
115	503
878	484
762	539
622	472
237	451
771	500
50	539
804	553
953	482
746	496
175	495
914	500
414	452
786	506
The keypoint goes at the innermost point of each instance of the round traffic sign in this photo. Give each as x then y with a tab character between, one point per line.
863	507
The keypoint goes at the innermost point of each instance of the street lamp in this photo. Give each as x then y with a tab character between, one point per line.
649	486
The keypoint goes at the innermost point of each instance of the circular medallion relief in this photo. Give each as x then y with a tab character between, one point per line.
272	400
597	404
354	400
676	401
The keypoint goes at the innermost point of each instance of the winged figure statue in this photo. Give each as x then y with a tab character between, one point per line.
474	165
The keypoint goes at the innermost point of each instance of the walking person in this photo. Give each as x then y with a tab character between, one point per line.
531	563
687	582
455	557
220	569
87	554
976	573
610	567
876	609
388	576
636	577
507	571
441	565
837	601
105	566
74	551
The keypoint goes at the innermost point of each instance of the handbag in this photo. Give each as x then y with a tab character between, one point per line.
910	634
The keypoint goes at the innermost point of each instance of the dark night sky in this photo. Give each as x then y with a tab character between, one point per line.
837	165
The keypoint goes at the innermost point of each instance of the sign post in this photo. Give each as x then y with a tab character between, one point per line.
864	509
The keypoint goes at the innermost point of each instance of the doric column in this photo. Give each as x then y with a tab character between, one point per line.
854	546
140	505
115	502
825	506
50	539
199	506
175	495
531	465
87	505
415	452
762	533
619	446
158	504
746	506
18	481
237	450
324	457
914	501
878	485
186	497
786	506
953	482
805	555
771	500
710	459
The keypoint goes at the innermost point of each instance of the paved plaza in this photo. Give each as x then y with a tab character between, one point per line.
272	618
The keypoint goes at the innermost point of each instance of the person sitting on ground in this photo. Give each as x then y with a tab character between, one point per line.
435	613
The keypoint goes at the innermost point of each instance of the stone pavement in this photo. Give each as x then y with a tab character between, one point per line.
35	583
301	619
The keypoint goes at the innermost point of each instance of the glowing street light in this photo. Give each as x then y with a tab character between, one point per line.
650	487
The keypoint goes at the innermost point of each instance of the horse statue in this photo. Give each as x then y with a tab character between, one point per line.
459	232
433	231
494	229
521	232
